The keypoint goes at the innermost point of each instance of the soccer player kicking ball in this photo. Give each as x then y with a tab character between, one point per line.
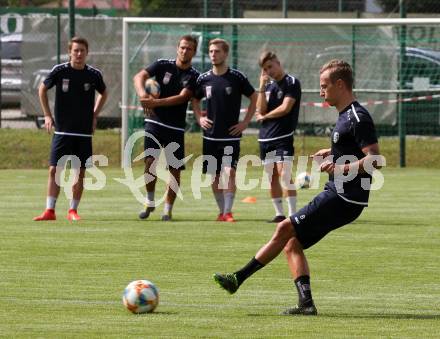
277	109
76	113
342	200
223	88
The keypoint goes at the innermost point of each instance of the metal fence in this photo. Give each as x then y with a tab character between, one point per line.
280	8
43	41
104	36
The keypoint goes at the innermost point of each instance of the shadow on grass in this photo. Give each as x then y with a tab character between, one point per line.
179	220
157	313
389	222
397	316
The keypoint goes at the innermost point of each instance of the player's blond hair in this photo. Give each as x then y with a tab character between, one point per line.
221	42
339	69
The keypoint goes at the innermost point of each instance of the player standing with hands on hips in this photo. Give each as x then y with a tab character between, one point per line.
167	119
76	113
223	88
277	109
344	197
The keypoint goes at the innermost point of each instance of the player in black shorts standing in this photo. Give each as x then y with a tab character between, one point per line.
277	109
177	79
222	87
76	113
344	197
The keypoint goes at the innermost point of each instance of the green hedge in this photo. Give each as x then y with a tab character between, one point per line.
26	148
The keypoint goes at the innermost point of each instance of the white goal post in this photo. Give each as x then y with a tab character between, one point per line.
372	45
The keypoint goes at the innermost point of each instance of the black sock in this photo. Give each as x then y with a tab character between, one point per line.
252	266
302	284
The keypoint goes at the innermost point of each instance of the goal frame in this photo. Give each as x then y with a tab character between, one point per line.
212	21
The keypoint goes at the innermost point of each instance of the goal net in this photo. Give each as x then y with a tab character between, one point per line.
396	63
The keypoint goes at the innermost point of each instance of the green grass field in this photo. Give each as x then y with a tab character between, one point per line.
375	278
31	148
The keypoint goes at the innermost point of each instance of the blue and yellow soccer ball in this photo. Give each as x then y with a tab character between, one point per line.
152	87
141	296
302	180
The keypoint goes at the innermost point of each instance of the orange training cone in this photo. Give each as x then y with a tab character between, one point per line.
250	200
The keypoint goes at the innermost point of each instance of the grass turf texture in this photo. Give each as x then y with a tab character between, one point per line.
375	278
25	148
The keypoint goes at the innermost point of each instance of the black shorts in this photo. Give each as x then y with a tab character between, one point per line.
277	150
220	154
70	145
325	213
172	141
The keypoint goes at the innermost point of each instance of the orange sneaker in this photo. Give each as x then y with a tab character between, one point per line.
48	214
228	217
72	215
220	217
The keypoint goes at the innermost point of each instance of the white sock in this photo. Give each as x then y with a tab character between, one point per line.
167	208
291	202
51	202
278	205
74	204
220	199
149	200
229	201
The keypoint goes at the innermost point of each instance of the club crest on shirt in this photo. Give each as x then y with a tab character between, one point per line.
335	137
208	92
65	86
166	78
86	86
228	90
280	94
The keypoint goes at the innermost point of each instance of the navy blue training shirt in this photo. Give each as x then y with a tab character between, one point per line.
74	97
172	81
223	97
276	91
354	130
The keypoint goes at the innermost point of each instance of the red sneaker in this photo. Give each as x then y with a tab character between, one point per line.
220	217
228	217
48	214
72	215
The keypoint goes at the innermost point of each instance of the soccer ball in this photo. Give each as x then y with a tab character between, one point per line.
302	180
152	87
141	296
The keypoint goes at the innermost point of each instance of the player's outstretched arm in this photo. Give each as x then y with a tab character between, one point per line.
325	152
44	102
372	158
